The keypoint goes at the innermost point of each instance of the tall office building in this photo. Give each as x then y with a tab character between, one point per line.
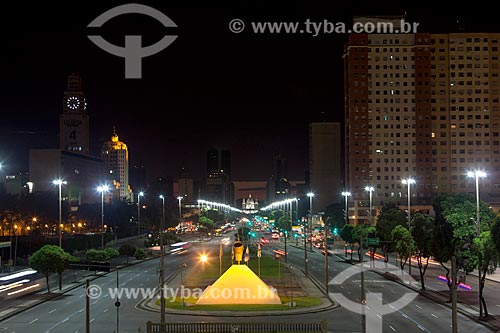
279	167
324	164
219	161
218	185
114	153
419	105
74	121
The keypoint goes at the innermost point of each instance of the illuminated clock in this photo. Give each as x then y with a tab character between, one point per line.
73	103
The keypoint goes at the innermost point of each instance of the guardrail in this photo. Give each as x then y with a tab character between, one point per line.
305	327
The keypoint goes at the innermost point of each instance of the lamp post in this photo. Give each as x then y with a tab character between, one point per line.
408	182
103	189
162	265
179	199
60	183
476	174
370	189
346	194
182	266
139	195
311	196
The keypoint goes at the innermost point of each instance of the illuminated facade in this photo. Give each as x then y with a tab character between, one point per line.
424	106
74	121
250	205
114	154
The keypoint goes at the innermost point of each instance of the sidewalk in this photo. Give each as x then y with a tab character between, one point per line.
434	295
72	279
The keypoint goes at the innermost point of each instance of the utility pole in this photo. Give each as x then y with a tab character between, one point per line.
87	307
454	323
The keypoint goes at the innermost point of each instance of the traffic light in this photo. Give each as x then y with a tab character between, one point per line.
335	231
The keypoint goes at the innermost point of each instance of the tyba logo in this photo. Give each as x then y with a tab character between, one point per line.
133	52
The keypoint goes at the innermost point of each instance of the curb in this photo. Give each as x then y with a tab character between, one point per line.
64	291
327	304
460	308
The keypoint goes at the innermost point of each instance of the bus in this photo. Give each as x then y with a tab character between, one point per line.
178	248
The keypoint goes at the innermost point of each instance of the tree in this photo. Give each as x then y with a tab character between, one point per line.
423	229
206	222
362	229
454	233
140	254
49	259
97	255
390	216
284	223
346	233
490	258
403	244
335	213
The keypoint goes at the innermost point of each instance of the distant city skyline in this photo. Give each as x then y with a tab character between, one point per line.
252	94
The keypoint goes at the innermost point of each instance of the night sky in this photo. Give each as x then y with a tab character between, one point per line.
252	94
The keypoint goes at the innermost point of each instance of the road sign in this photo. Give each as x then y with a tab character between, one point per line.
5	244
373	241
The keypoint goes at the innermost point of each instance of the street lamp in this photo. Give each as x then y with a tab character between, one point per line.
369	189
103	189
346	194
162	265
476	174
60	183
179	199
139	195
408	182
311	196
182	266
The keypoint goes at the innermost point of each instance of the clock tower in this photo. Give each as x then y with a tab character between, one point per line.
74	121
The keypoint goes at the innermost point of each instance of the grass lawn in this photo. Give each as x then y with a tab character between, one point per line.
301	302
268	266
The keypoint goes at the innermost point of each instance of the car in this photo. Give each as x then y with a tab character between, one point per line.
275	235
264	240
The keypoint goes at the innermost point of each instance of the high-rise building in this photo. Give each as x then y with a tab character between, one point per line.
218	186
324	164
186	186
74	121
420	105
219	161
279	167
114	153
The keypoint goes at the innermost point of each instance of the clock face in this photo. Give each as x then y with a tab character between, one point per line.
73	103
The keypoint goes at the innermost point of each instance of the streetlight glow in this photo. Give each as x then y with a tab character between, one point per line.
139	195
103	189
346	194
408	182
203	258
478	174
59	182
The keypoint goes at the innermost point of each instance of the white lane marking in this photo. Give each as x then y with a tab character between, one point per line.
68	302
106	310
77	331
418	306
349	292
31	322
94	302
91	320
52	310
379	316
81	296
432	314
392	328
65	320
423	329
498	305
